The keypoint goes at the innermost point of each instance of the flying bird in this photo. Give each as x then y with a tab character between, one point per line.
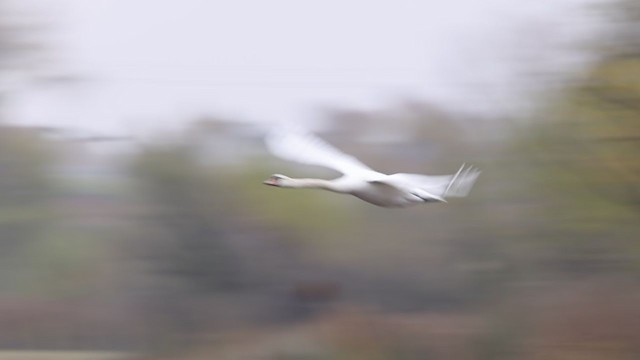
359	180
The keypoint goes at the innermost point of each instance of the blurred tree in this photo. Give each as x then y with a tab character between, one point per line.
209	261
607	108
181	236
586	151
24	185
185	218
601	113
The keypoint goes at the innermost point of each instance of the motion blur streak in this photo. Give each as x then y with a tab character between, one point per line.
168	246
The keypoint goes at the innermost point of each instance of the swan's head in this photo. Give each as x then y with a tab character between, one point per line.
279	181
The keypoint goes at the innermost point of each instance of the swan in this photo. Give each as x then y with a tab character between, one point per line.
359	180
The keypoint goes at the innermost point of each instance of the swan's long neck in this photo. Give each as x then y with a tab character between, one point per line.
313	184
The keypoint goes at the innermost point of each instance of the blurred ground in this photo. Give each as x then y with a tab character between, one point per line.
59	355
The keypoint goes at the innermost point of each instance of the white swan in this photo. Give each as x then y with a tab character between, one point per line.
396	190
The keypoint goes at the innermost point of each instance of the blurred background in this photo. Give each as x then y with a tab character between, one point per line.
134	225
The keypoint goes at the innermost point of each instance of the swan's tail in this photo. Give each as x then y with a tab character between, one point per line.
462	182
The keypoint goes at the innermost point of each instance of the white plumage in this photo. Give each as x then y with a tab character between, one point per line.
396	190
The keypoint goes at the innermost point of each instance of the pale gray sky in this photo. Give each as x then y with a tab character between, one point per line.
159	63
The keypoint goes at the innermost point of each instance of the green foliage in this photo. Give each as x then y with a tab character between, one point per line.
584	167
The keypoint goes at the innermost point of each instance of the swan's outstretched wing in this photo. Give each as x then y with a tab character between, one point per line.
438	187
304	147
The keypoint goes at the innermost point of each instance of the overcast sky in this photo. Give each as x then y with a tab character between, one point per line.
160	63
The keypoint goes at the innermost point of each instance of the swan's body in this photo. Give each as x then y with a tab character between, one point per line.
396	190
